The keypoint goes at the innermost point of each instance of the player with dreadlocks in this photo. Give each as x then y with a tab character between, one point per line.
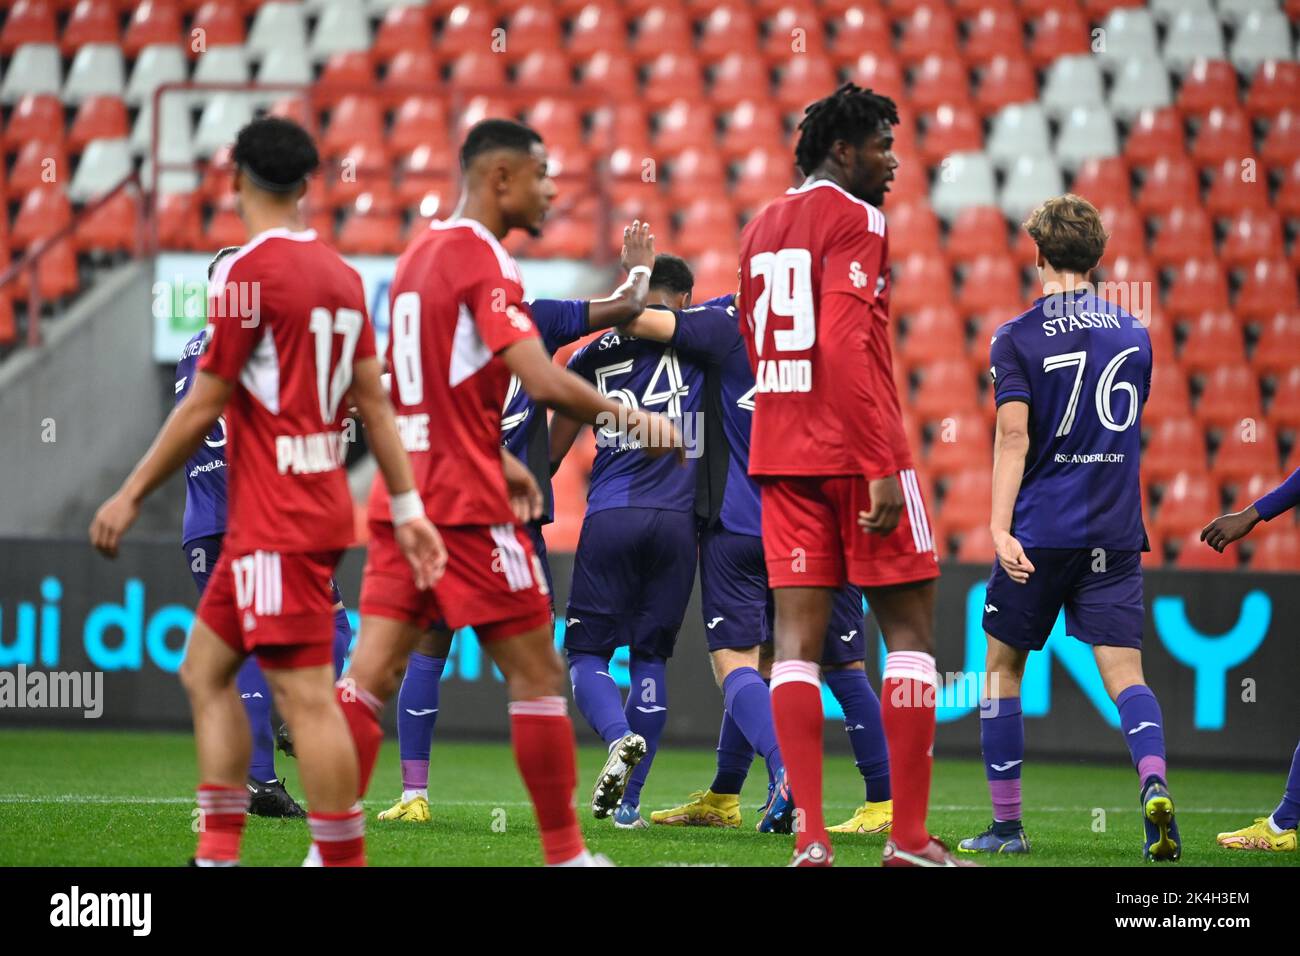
840	500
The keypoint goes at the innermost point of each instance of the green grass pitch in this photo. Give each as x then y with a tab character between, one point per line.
125	799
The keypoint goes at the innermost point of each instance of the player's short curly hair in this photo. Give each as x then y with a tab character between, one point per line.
672	274
490	134
851	113
1069	233
275	153
221	254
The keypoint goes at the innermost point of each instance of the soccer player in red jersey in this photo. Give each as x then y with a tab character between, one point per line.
460	329
840	500
291	345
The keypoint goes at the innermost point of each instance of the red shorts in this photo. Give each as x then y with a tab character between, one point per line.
494	582
279	607
811	536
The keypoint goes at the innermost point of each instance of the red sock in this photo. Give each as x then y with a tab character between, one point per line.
542	735
907	695
340	837
362	710
221	822
797	714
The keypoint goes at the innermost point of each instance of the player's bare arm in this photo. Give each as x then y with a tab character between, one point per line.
1010	447
572	396
563	433
416	536
629	298
525	496
1225	529
177	440
656	324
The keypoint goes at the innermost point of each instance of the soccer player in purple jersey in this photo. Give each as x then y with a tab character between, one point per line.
1277	831
736	603
202	530
524	436
1070	377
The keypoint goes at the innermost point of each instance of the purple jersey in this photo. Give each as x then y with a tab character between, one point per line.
710	333
205	472
651	376
523	428
1083	365
1282	498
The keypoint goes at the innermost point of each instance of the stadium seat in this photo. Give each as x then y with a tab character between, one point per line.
961	443
543	69
29	21
991	34
672	75
34	68
226	229
222	119
1288	194
750	125
97	70
739	78
791	28
1170	396
1223	134
276	24
1206	85
1018	130
1176	444
598	27
939	80
1199	284
683	124
858	28
948	130
1140	85
1030	181
966	180
1253	234
1269	287
1189	501
928	30
1237	184
1170	183
803	78
1281	145
1086	133
1278	549
8	326
622	124
222	64
1284	409
1164	11
1278	346
1004	80
976	231
1060	31
178	221
1244	451
56	274
1130	34
880	71
152	22
1275	87
402	28
355	119
1213	338
1231	394
1261	36
1070	82
368	233
105	163
100	117
913	228
35	116
1192	35
1104	181
991	283
715	272
763	174
1186	232
1196	555
1126	230
531	27
477	68
661	27
706	223
727	29
411	72
1250	488
1234	11
155	66
1154	134
933	333
222	22
920	281
968	495
91	21
112	227
696	172
946	388
40	164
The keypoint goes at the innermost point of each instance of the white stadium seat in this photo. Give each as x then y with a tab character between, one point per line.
175	133
1031	180
1192	35
966	180
1166	10
1072	81
223	117
1140	84
157	64
378	8
285	65
222	64
171	181
97	70
342	28
35	68
1087	133
1234	11
1018	130
1130	32
276	25
1260	37
104	164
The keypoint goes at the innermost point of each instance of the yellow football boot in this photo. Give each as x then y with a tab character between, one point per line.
869	818
1258	836
415	810
704	809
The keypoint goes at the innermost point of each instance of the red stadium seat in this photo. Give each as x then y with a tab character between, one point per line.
532	27
752	124
707	222
1196	555
1277	550
1208	84
991	284
696	172
1230	395
92	21
664	26
727	29
29	21
99	117
356	119
1234	186
946	388
112	227
933	333
951	129
1104	181
1281	145
803	78
1127	231
1058	32
1275	87
977	231
1156	133
1269	287
941	78
621	125
976	547
1223	134
56	275
37	116
8	326
968	497
343	74
477	68
365	168
739	78
1184	233
930	29
1284	410
993	34
859	28
1213	339
402	28
715	273
179	225
541	69
1245	451
558	121
419	121
154	21
468	28
1251	488
685	123
763	175
1288	194
913	228
1189	502
222	23
424	170
920	281
1176	445
881	72
1254	234
1171	182
1199	285
40	164
1278	348
961	442
794	29
411	71
671	76
370	233
598	27
1170	396
1004	80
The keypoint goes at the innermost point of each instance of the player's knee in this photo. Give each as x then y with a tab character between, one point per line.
543	676
198	679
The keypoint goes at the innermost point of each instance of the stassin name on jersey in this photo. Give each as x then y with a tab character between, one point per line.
1081	320
784	375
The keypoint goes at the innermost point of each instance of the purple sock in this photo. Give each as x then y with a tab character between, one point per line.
749	703
597	696
647	712
256	698
1287	813
342	640
734	757
865	727
417	712
1139	717
1002	741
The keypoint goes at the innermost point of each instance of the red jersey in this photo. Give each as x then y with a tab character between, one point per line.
814	280
457	301
289	319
